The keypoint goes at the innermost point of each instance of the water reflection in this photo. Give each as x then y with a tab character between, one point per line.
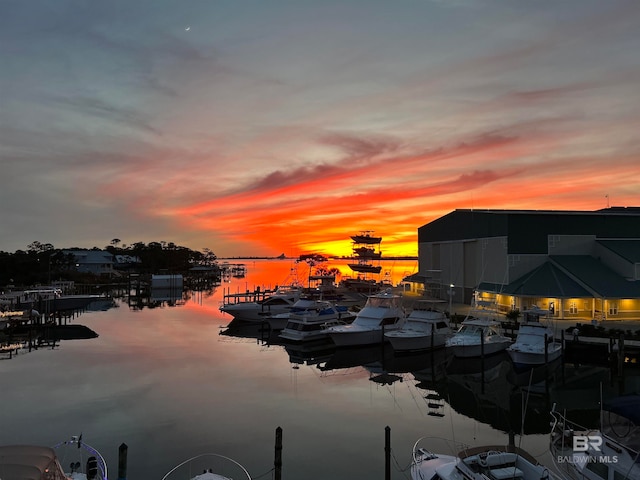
176	382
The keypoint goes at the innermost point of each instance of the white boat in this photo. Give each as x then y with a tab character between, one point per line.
256	310
478	463
382	312
425	328
534	343
85	462
309	320
213	467
610	452
477	337
21	462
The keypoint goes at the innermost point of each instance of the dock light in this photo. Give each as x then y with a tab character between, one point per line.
450	299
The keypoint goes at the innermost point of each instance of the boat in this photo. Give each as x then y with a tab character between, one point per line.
425	328
491	462
310	319
19	462
477	337
35	462
382	312
535	344
365	237
85	462
364	249
213	467
611	451
257	307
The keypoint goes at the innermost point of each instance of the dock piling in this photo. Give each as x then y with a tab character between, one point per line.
387	452
277	462
122	461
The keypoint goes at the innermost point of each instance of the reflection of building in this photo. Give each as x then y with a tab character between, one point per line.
580	265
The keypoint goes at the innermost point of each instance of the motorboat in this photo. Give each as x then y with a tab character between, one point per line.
477	337
309	319
85	462
425	328
258	310
611	451
381	313
365	251
535	344
20	462
213	467
490	462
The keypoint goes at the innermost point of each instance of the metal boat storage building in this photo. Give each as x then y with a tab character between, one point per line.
576	264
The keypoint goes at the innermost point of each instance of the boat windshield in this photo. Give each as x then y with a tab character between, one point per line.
383	302
470	330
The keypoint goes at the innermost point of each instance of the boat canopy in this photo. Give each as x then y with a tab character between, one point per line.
29	462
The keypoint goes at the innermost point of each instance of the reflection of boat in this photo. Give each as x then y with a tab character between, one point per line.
85	462
259	331
535	343
382	312
256	310
477	337
610	452
308	318
213	467
424	328
479	463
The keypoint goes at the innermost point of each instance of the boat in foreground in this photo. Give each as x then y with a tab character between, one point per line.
477	337
610	452
425	328
381	313
34	462
212	466
479	463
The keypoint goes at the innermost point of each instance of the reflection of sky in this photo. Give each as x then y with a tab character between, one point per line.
166	383
265	128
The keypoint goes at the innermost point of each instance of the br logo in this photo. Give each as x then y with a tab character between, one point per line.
581	443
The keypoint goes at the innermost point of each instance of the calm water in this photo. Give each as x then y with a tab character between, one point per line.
166	383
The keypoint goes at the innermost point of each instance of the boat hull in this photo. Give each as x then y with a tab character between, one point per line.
406	341
356	337
525	358
477	350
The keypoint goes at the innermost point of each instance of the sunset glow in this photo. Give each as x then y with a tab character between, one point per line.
286	127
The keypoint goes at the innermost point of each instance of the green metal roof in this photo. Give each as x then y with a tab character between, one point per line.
627	249
596	276
545	281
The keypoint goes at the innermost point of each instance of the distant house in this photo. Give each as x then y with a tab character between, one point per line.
574	264
98	262
126	262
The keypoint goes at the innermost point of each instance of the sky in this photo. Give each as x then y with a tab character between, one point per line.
285	126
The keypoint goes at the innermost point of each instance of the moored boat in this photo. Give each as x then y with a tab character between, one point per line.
425	328
491	462
310	319
85	462
535	344
258	310
382	312
611	451
213	467
477	337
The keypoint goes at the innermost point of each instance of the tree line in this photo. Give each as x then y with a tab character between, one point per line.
42	263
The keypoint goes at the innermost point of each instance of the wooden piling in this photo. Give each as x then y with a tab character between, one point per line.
277	462
387	453
122	461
